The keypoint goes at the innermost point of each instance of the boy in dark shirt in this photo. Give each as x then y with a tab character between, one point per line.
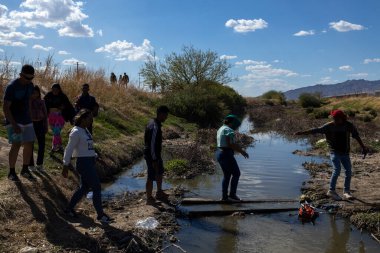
86	101
338	133
152	154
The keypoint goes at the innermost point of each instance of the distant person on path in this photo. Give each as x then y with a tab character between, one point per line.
113	78
152	154
59	110
125	79
338	134
19	125
225	155
86	101
120	80
40	125
81	146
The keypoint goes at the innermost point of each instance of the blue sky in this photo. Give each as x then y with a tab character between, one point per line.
280	44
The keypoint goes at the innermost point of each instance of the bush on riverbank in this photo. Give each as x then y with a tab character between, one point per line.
205	104
308	100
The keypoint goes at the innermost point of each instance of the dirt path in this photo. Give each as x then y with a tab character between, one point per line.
31	216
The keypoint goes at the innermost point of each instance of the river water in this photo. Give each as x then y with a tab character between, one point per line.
271	172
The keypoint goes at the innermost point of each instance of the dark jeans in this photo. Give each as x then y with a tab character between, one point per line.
88	180
40	131
230	169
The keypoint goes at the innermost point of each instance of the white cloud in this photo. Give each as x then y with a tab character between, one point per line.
260	71
12	43
250	62
73	61
303	33
124	50
330	70
358	75
246	25
39	47
276	61
228	57
373	60
64	15
74	29
11	63
344	26
1	50
345	68
100	32
63	52
326	80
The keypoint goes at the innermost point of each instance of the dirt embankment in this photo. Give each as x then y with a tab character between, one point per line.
31	218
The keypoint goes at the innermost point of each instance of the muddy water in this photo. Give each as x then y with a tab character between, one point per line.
271	172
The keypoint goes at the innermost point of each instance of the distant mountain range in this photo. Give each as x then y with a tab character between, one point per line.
345	88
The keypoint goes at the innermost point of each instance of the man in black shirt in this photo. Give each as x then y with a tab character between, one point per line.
338	133
152	154
86	101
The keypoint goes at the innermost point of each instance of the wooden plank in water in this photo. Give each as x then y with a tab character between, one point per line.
203	201
200	213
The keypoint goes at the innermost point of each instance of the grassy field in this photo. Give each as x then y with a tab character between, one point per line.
119	127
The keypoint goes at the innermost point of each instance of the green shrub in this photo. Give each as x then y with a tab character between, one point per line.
373	112
269	102
351	113
321	114
309	110
177	166
206	104
309	100
274	95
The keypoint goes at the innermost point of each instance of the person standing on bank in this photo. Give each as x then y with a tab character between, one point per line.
225	156
152	154
18	120
86	101
81	146
40	125
59	110
337	135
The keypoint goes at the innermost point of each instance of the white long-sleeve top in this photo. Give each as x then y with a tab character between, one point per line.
80	144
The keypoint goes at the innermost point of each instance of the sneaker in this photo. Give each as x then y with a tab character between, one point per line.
26	173
70	212
333	195
40	168
347	196
13	177
104	219
225	199
234	198
150	201
32	168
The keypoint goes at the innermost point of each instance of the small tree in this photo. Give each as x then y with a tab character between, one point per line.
309	100
190	67
275	95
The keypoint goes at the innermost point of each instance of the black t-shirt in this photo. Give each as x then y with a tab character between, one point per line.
338	136
19	96
153	140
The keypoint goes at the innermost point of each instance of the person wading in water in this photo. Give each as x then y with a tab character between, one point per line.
225	156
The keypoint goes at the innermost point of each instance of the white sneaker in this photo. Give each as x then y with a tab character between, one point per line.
333	195
348	196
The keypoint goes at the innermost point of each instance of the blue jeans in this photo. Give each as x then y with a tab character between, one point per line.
337	161
88	180
230	169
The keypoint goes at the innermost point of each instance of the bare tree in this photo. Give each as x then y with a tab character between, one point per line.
189	67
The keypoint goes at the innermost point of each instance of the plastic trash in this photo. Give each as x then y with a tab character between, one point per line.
147	224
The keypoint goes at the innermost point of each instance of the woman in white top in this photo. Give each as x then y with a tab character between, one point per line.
81	146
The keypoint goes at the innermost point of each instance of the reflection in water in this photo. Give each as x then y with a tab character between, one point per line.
227	240
338	240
